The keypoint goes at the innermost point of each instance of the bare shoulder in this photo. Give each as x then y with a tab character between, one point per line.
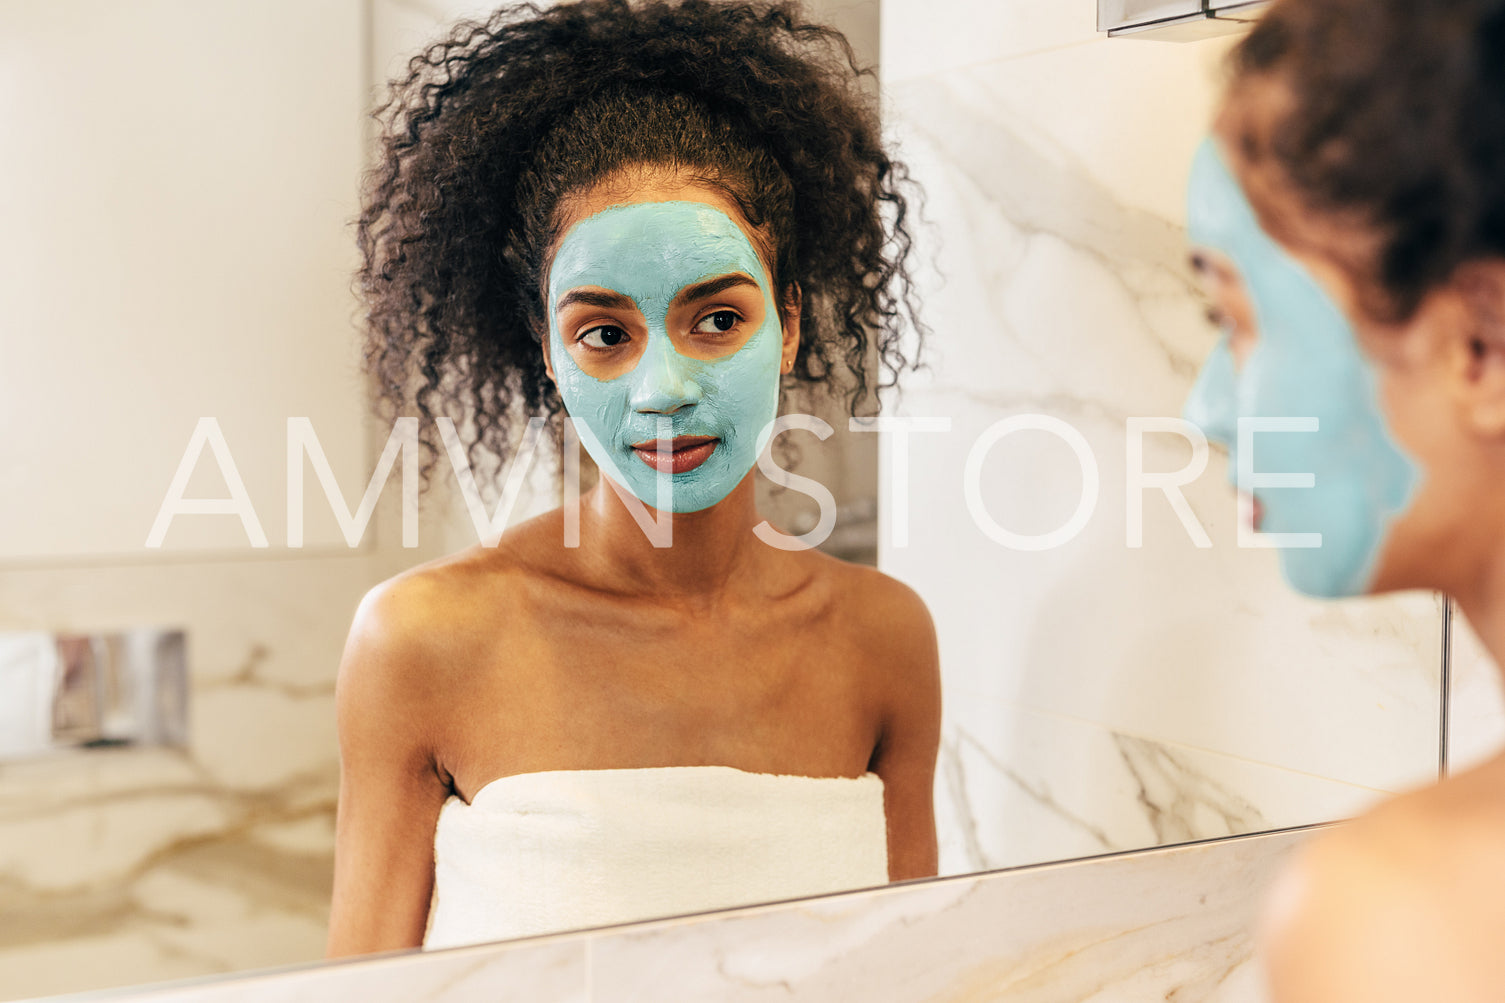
892	628
885	610
391	672
1404	903
414	631
413	612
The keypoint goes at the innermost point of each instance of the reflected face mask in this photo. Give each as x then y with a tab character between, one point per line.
1306	364
650	252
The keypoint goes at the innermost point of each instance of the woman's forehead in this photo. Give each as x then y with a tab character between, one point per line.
652	250
648	186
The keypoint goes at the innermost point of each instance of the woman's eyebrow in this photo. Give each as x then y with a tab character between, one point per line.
710	287
604	299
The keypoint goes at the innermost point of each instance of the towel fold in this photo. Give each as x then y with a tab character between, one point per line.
551	851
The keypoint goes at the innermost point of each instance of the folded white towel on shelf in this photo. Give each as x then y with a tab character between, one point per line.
550	851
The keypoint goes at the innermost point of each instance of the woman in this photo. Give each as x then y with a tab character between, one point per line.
651	217
1350	221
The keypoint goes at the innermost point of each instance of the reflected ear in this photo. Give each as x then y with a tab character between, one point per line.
548	365
789	316
1480	348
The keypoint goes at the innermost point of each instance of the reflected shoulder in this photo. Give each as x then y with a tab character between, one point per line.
894	626
445	590
393	639
429	619
888	606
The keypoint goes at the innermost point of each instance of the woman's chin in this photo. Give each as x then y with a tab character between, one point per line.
1323	573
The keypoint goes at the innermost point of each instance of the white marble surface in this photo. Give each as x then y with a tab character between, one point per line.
1100	696
1155	925
1172	925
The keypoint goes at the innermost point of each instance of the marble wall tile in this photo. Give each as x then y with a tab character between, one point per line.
1017	786
130	865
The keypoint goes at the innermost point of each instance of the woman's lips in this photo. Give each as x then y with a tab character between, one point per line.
681	454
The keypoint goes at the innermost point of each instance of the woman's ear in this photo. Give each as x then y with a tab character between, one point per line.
1479	287
789	315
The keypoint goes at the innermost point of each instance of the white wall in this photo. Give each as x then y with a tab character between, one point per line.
175	210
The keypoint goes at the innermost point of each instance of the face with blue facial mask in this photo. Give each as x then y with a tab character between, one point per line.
666	344
1294	355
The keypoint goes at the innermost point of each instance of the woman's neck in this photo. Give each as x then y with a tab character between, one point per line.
1482	601
708	549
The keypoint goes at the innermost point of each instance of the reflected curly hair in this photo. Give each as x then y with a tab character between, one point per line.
497	127
1397	118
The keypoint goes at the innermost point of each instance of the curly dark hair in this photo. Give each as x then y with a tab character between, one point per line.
496	127
1397	118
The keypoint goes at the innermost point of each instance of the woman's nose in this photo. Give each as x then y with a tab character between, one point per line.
663	380
1213	403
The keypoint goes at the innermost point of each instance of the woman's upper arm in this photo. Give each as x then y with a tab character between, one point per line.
907	747
391	789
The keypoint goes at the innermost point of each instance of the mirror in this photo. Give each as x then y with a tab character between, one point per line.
181	178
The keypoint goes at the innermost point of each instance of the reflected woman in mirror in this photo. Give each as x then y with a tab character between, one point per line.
653	219
1349	223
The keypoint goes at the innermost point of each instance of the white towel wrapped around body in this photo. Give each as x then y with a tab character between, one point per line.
550	851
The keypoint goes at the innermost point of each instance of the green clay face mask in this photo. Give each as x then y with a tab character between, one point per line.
1312	395
702	419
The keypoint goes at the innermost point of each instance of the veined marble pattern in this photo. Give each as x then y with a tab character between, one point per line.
1155	925
130	865
1101	696
1017	786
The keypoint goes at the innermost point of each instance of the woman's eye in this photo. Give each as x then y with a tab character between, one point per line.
1226	325
718	322
604	336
